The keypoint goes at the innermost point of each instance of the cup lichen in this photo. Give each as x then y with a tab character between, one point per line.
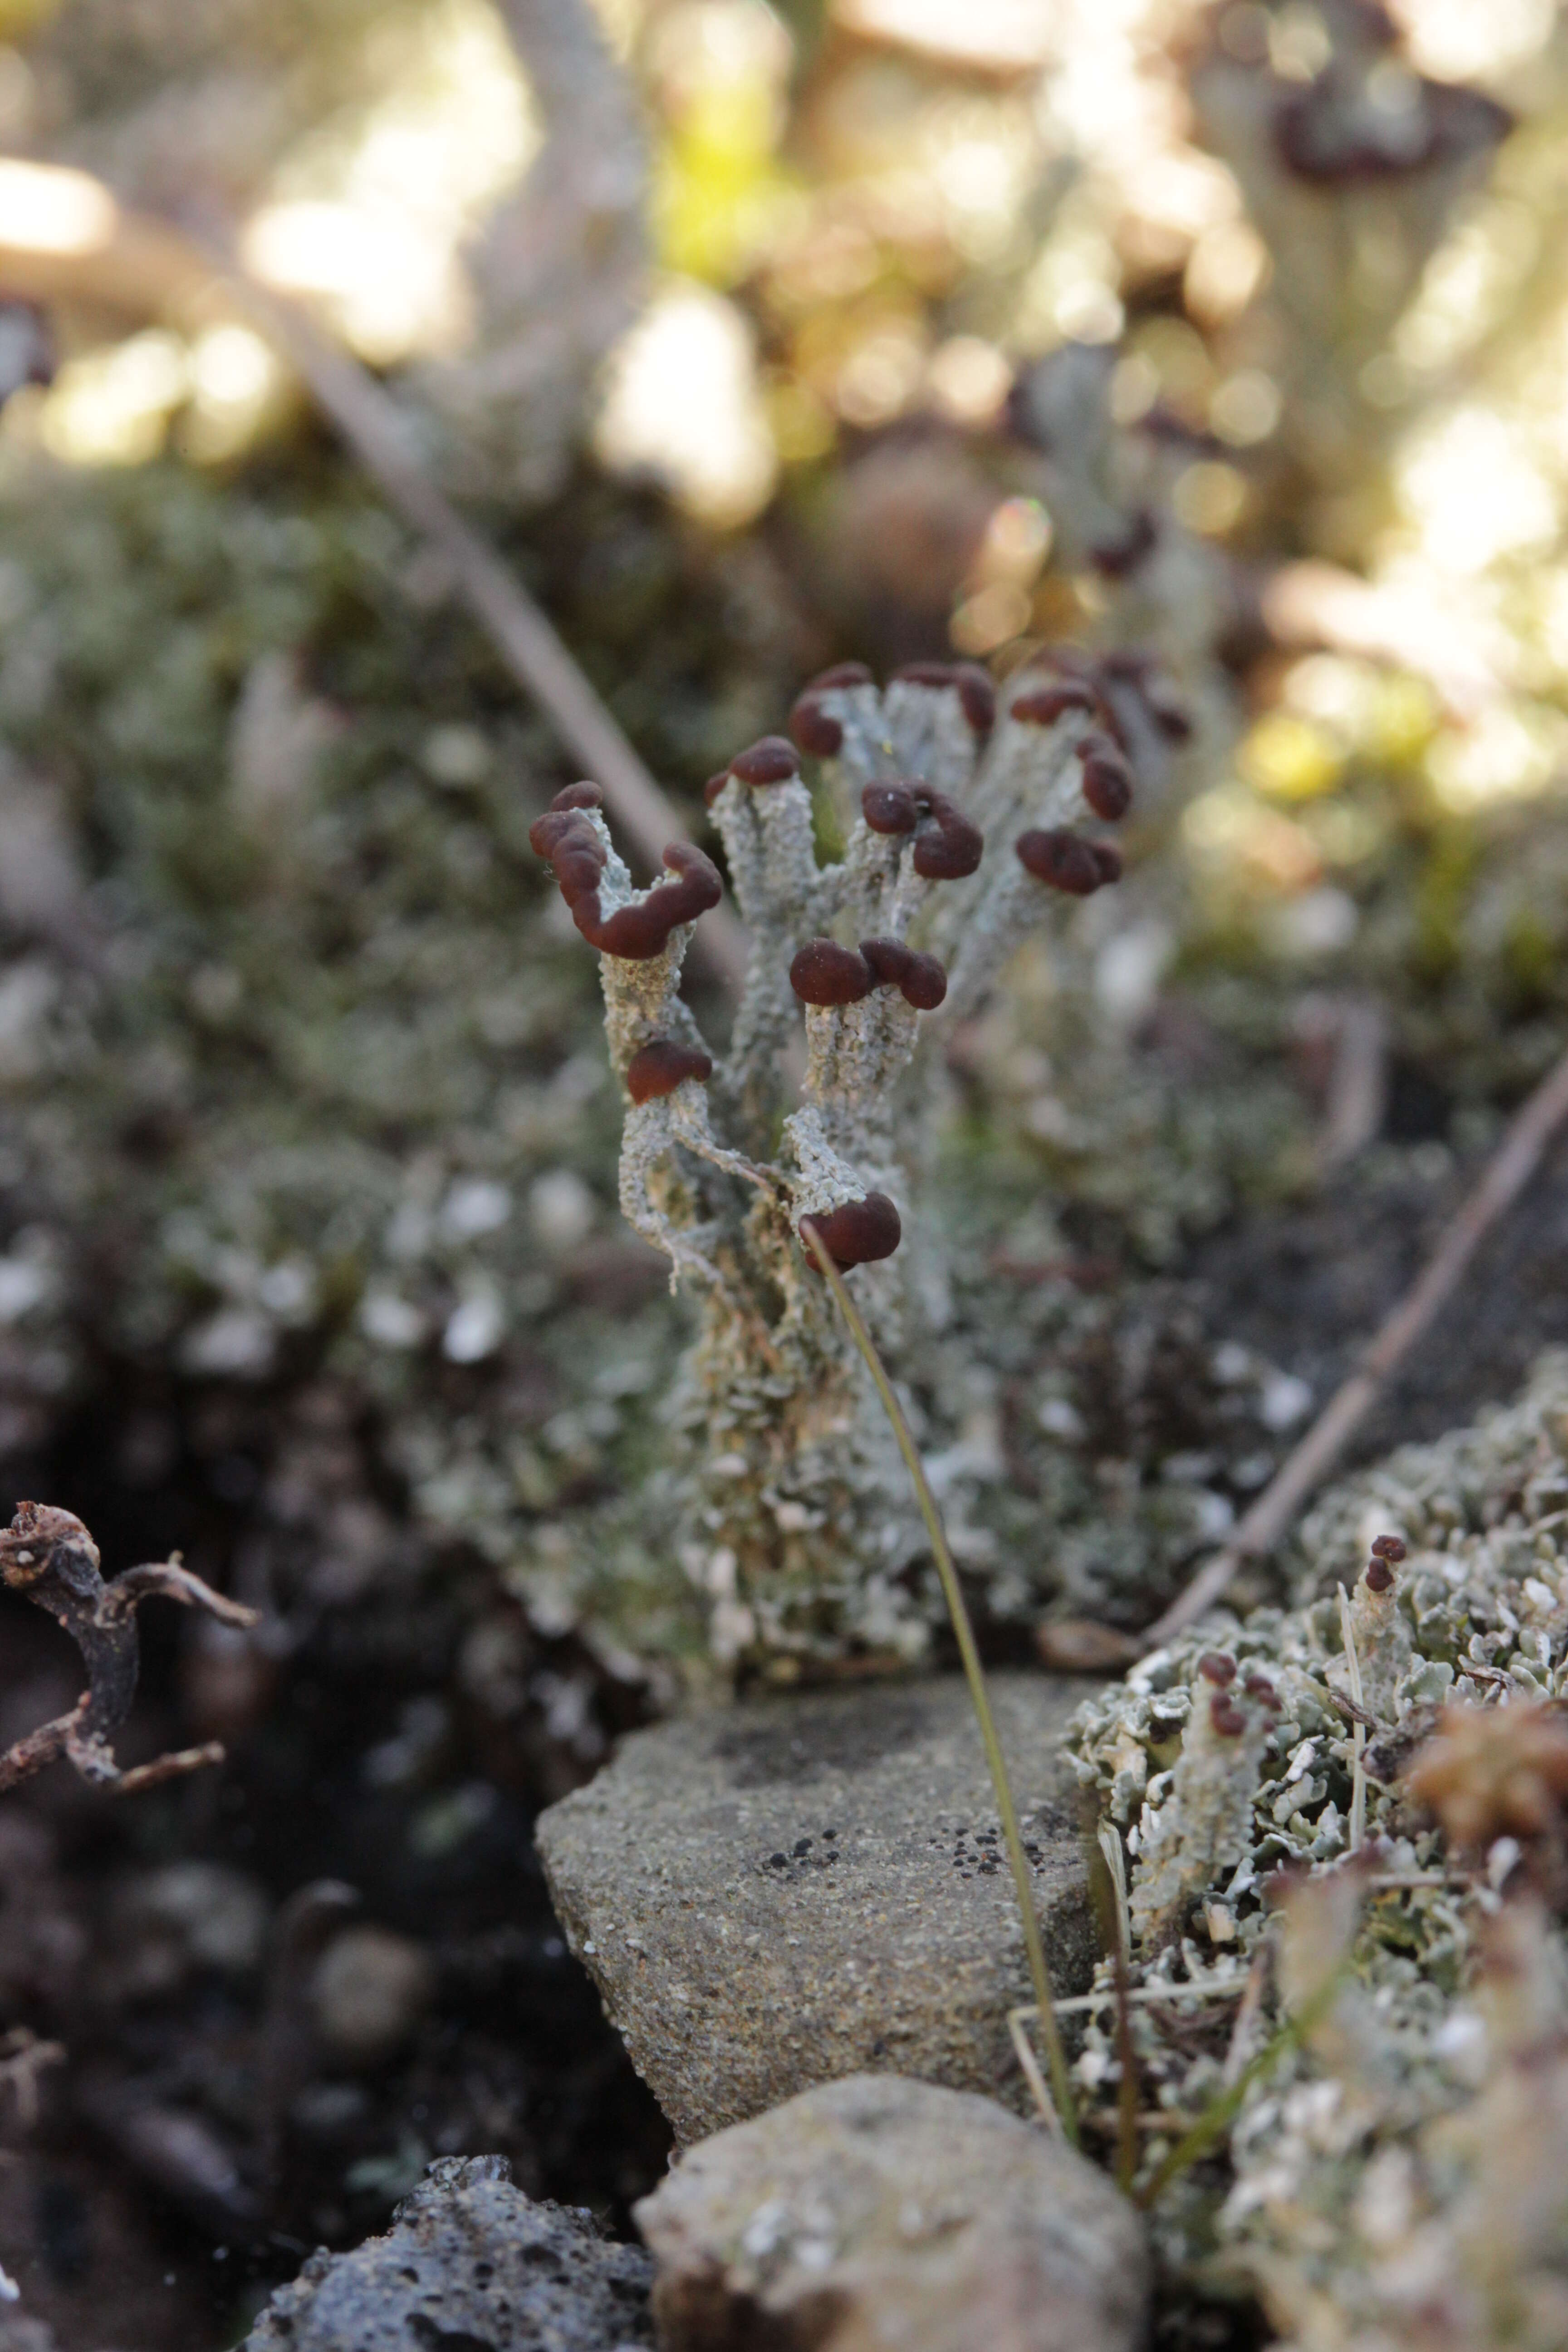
959	824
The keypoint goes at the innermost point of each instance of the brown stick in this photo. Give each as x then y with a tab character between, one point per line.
377	431
142	263
1504	1178
48	1555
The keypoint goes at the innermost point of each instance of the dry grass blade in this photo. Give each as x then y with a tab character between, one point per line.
963	1633
1018	2021
377	432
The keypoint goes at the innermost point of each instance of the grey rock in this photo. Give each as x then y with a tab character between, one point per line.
793	1889
470	2261
877	2213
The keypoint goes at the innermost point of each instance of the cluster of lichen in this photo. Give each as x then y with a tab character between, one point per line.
1400	1744
309	1173
306	1178
958	822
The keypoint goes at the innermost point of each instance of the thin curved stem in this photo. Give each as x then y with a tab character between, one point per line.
974	1674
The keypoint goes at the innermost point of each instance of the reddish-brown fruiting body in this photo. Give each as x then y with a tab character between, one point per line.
661	1065
1387	1548
824	974
1155	692
815	729
557	821
1108	785
1167	709
641	930
1044	705
919	978
1158	696
1126	549
978	697
947	845
1259	1687
772	761
1065	861
714	786
575	853
1378	1576
858	1232
890	808
1218	1666
1226	1717
1329	143
579	796
972	686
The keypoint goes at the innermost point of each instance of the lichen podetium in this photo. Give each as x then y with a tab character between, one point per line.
962	823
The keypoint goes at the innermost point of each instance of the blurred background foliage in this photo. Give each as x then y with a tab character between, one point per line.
1225	336
1222	336
755	337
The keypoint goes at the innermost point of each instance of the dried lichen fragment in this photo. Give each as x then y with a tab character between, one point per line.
48	1555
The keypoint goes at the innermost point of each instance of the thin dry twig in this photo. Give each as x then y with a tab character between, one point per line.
1029	2065
1244	2025
151	263
1504	1178
377	431
49	1556
23	2058
1147	1996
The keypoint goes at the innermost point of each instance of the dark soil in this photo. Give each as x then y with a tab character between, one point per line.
1307	1288
199	2140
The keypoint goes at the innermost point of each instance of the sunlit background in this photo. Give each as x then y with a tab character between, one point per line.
868	223
1223	346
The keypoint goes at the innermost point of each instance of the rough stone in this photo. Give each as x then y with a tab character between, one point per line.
878	2212
792	1889
470	2261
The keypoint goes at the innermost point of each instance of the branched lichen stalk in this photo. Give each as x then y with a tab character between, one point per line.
963	824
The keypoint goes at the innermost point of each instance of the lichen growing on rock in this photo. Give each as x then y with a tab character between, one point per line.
1385	2175
958	828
